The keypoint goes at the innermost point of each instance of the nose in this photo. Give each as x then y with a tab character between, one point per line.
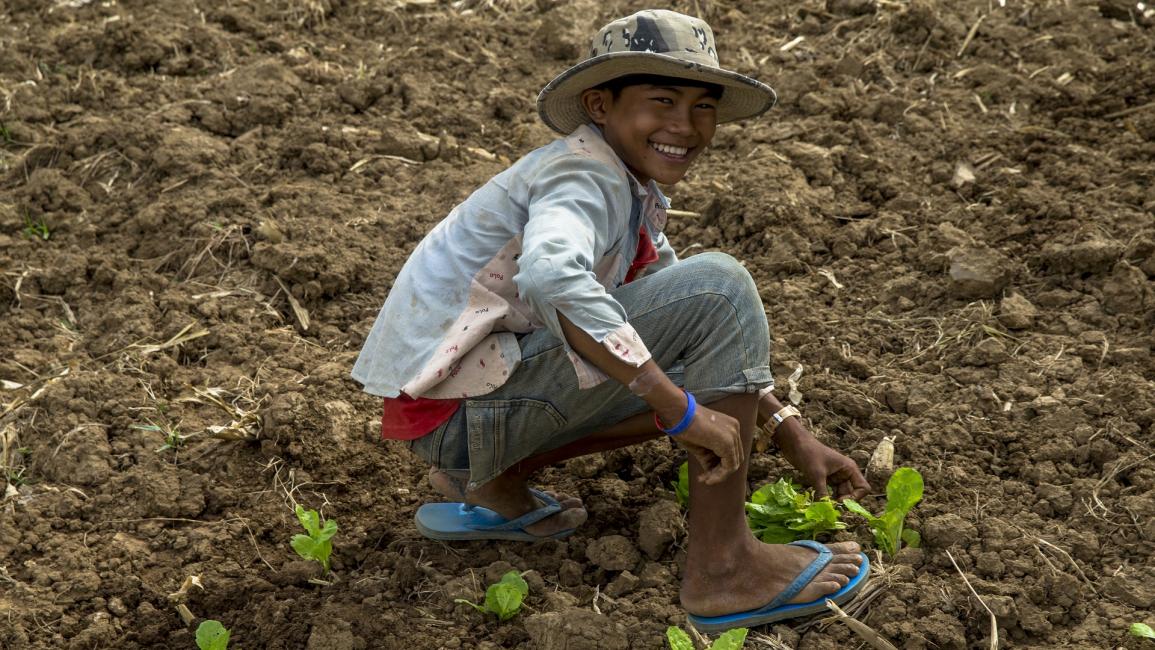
680	120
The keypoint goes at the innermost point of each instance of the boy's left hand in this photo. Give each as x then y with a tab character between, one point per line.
818	464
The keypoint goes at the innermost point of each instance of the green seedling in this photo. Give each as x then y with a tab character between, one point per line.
173	438
682	486
1141	630
502	598
730	640
36	228
318	544
780	513
211	635
5	134
15	475
902	491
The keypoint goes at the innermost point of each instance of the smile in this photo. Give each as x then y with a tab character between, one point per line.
670	150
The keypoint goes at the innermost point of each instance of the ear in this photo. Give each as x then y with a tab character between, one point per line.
596	102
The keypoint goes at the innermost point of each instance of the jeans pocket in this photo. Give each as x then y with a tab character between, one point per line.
503	432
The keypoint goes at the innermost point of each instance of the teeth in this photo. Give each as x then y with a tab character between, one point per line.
670	149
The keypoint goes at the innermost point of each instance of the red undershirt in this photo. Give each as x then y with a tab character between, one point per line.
408	418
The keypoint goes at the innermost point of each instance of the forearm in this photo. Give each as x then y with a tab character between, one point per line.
647	381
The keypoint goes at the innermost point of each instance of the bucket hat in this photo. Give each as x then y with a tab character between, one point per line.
654	42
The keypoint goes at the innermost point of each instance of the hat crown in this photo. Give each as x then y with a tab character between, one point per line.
659	31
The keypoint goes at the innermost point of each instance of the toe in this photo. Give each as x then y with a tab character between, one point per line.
845	548
564	520
843	569
818	588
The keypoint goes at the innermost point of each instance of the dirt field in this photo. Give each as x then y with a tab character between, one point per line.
202	206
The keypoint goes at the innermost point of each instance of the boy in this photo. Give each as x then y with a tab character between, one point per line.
547	317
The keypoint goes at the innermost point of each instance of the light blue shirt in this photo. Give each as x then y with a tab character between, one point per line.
557	231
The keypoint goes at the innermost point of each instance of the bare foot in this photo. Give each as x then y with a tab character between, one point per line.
753	575
511	498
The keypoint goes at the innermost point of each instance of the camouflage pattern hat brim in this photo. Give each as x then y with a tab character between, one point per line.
656	42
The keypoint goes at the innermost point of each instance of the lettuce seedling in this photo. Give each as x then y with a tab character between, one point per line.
211	635
730	640
502	598
902	491
1142	630
317	545
780	513
682	486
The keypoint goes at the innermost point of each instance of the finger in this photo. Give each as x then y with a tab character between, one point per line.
859	485
715	476
733	458
820	488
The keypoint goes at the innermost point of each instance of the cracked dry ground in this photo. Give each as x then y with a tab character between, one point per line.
950	217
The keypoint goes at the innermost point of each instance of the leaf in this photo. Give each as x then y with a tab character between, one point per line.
911	538
820	516
731	640
889	530
324	550
212	635
305	546
327	531
903	490
1142	630
503	599
856	508
678	639
770	511
514	578
309	519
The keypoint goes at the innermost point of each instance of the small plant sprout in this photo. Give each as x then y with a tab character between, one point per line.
173	438
1141	630
318	544
730	640
211	635
682	486
903	491
36	228
780	513
502	598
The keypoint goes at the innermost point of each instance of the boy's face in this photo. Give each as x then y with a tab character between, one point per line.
656	130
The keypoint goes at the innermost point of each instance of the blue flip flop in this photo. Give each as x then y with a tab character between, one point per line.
775	610
461	521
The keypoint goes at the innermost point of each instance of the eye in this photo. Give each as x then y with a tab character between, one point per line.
663	100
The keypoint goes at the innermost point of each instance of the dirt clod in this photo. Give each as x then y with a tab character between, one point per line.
613	553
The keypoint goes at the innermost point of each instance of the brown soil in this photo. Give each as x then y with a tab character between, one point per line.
953	235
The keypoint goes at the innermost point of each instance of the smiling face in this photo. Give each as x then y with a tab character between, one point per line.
656	129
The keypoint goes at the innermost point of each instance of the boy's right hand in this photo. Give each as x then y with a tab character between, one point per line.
714	439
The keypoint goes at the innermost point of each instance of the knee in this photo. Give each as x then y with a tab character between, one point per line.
720	273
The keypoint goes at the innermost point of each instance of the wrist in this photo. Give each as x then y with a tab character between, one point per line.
670	407
768	405
663	396
672	428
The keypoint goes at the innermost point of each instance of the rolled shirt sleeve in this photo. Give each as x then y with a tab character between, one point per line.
578	207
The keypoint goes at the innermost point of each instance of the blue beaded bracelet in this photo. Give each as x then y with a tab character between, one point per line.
691	409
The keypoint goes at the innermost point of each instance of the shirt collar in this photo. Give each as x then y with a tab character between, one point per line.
641	191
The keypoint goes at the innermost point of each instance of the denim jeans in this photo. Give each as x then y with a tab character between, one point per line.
704	324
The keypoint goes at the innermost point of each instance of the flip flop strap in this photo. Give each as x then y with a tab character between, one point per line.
530	518
541	496
816	565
